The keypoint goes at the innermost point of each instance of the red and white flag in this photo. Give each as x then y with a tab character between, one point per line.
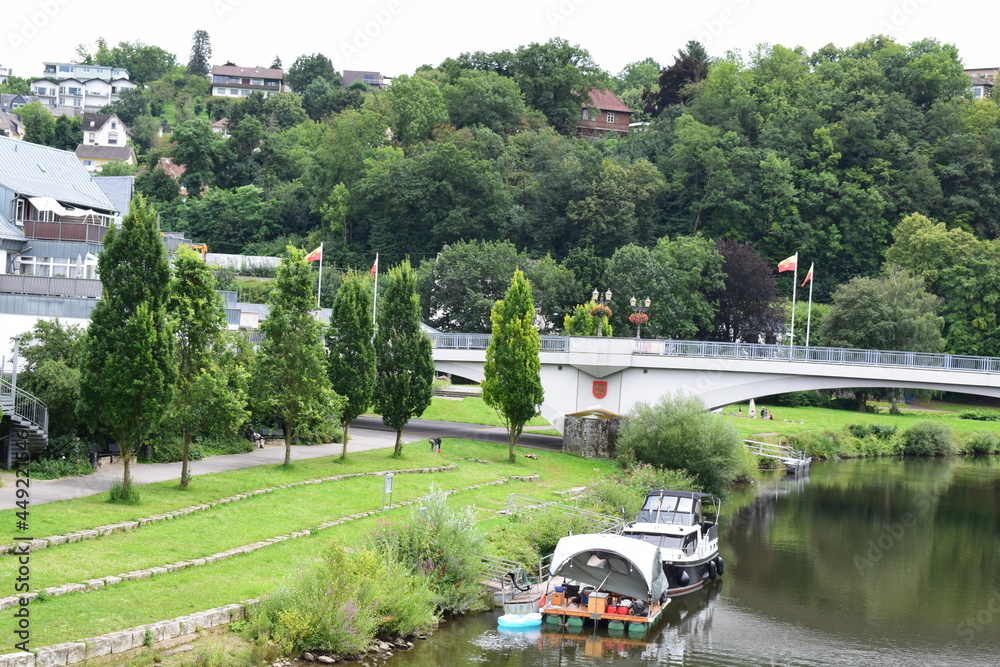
809	276
789	264
374	267
315	255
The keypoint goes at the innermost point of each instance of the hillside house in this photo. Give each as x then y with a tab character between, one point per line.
230	80
103	129
604	114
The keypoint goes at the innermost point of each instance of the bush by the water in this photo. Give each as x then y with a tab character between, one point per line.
929	438
341	605
624	492
983	442
679	434
398	582
440	544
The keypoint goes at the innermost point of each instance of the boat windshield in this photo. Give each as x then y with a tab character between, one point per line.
676	510
662	541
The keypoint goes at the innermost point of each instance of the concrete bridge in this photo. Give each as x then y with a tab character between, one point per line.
616	373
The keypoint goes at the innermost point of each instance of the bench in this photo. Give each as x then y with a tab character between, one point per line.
110	453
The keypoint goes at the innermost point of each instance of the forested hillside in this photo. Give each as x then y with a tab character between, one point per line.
471	168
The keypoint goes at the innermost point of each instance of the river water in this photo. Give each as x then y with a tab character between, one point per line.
885	562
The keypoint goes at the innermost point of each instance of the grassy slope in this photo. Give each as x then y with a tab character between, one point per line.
126	605
822	419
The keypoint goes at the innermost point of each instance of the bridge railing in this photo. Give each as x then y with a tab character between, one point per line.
828	355
463	341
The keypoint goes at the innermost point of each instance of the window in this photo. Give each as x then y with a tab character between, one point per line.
114	90
88	163
234	91
114	125
113	138
220	91
218	78
244	92
589	113
65	68
256	82
272	83
62	90
93	138
611	116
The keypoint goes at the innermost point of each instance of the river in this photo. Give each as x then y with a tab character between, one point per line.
884	562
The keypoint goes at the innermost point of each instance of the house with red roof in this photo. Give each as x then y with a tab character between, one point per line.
605	113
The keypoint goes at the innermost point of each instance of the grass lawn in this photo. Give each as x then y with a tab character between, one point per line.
800	420
78	616
79	513
471	410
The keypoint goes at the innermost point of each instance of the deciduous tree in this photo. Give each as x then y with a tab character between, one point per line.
512	383
291	378
129	368
203	396
351	351
403	362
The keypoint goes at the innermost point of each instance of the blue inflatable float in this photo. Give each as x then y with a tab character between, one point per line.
515	621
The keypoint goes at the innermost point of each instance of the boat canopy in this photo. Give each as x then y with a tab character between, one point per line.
615	563
682	508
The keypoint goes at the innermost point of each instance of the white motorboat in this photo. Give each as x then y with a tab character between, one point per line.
684	526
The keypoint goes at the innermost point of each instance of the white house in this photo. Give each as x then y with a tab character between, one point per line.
60	71
230	80
103	129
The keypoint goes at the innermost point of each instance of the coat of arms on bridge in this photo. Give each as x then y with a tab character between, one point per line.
600	388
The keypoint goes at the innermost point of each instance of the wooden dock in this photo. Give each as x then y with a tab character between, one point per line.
583	612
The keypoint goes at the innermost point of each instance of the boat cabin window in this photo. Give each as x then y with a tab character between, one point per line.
662	541
669	509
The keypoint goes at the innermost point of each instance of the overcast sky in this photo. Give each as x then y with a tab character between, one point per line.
396	36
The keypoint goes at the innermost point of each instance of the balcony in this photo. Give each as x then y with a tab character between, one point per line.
64	231
45	286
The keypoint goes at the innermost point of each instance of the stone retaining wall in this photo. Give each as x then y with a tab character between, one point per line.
125	641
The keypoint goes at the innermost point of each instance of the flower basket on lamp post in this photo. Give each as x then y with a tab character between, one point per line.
638	316
601	311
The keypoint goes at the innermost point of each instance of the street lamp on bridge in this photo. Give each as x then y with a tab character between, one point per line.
638	316
601	310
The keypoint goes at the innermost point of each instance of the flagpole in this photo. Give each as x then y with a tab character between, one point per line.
795	284
319	290
812	279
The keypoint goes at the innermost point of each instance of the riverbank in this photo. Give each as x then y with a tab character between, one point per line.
257	516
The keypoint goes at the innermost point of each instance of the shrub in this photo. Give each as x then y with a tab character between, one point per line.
627	490
118	494
170	451
678	433
820	445
441	545
797	399
56	468
928	438
858	430
882	431
981	415
982	442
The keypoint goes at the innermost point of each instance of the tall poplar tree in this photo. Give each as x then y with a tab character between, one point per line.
512	383
350	350
291	374
403	362
204	395
129	370
201	53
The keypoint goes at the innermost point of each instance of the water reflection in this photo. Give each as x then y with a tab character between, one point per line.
892	562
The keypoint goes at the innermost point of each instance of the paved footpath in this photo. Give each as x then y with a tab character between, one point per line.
47	491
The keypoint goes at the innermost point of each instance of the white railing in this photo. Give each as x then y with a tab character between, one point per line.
466	341
824	355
